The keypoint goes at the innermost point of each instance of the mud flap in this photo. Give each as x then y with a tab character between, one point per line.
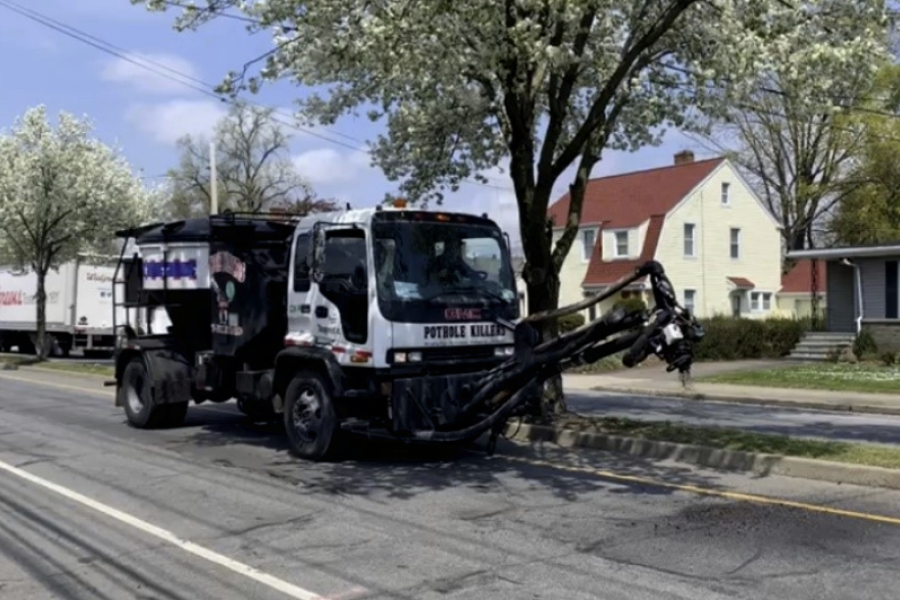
171	374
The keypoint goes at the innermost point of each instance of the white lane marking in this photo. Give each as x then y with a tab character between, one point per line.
275	583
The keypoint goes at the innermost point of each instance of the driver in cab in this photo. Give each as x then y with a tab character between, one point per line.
450	267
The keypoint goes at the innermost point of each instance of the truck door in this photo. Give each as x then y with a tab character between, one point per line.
300	318
341	272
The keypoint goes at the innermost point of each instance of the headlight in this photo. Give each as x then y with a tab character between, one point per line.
504	351
402	357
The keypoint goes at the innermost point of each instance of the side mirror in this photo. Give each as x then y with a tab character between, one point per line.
317	254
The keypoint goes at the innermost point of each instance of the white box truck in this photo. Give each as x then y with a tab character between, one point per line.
79	308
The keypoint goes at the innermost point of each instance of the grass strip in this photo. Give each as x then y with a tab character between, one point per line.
862	378
62	366
875	455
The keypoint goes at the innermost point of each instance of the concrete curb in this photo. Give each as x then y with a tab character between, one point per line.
757	400
713	458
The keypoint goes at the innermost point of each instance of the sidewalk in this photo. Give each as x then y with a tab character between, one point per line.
656	382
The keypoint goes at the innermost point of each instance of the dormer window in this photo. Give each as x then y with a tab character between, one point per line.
588	239
621	244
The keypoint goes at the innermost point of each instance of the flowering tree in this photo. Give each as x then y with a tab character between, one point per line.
545	86
799	154
61	193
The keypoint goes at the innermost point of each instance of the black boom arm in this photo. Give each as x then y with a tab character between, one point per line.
667	330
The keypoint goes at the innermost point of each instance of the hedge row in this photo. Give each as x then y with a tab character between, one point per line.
731	338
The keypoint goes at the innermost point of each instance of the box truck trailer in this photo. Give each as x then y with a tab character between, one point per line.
79	308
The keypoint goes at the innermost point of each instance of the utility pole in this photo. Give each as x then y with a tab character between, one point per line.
213	183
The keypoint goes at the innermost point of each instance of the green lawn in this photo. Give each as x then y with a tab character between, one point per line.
828	376
717	437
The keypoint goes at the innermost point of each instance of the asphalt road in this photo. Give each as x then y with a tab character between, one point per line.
831	425
90	508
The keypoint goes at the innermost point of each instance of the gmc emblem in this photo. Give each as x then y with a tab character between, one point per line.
462	314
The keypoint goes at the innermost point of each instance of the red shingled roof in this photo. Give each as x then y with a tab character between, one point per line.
628	200
799	279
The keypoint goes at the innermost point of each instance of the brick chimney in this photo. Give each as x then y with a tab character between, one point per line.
684	157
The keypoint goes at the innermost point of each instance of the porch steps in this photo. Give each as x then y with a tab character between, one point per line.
819	345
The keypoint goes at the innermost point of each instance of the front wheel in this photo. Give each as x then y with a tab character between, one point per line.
310	419
136	398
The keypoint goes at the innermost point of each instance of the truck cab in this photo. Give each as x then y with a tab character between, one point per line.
404	308
400	292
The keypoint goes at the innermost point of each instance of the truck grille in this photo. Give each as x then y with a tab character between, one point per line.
452	353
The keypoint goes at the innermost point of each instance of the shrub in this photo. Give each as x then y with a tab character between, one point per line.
571	322
631	304
735	338
865	345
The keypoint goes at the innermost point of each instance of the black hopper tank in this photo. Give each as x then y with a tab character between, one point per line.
222	281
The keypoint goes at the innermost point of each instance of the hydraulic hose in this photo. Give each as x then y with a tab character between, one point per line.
473	431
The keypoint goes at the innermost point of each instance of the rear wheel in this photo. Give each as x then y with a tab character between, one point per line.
310	419
136	398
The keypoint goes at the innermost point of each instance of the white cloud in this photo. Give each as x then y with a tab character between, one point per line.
168	121
328	166
159	78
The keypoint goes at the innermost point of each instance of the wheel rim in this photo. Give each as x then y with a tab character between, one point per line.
306	416
134	393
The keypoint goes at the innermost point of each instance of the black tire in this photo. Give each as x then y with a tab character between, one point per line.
140	410
310	419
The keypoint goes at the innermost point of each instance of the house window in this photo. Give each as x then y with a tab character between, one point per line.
725	189
588	237
735	243
621	243
760	301
690	300
689	229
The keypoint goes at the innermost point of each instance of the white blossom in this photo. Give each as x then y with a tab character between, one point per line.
438	72
62	193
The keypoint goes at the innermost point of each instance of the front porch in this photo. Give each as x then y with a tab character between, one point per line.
863	289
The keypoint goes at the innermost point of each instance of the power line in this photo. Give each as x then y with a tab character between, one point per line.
206	88
180	77
232	16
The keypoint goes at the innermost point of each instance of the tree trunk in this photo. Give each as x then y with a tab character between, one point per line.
797	239
40	343
542	283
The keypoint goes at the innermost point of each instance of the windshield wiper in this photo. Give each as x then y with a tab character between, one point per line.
457	290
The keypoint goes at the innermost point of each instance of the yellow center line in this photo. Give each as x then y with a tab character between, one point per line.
609	475
703	491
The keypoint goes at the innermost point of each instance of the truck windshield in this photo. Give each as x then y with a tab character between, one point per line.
424	267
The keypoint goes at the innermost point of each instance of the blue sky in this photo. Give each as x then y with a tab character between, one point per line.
144	113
